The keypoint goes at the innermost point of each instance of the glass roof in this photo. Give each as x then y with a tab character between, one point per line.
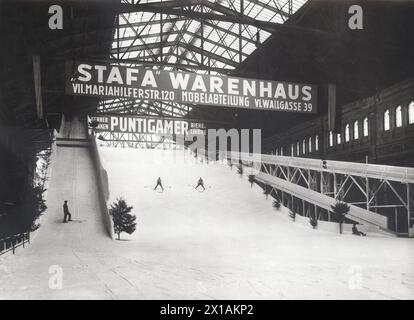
181	42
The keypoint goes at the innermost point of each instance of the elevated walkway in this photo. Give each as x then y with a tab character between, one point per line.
378	195
376	171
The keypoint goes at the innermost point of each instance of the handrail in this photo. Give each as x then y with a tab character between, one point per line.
375	171
8	244
356	213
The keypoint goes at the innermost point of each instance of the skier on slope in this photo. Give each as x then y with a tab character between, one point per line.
200	183
159	183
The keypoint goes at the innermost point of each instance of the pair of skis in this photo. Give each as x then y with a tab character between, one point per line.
159	190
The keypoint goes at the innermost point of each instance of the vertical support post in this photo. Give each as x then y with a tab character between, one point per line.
240	32
2	113
202	36
332	107
335	185
396	219
161	37
408	206
37	79
367	185
117	38
321	182
367	191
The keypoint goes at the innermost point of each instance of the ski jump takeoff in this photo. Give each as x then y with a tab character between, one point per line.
159	183
200	183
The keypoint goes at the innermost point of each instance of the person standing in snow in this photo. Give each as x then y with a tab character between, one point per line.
159	183
200	183
66	213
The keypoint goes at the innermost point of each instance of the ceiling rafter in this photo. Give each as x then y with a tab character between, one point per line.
175	44
240	18
190	35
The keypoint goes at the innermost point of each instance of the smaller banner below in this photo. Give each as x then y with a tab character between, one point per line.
91	79
146	125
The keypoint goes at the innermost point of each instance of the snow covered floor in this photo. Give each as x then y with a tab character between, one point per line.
225	243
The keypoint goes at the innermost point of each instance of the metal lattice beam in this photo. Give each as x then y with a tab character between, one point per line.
242	19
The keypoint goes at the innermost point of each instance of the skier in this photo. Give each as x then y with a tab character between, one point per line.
159	184
66	212
200	183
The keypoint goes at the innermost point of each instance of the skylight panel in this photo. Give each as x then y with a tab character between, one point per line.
266	15
193	27
220	39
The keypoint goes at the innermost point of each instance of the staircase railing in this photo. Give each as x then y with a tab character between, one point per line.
8	244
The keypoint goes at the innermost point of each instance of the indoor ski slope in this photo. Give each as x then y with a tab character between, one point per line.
225	243
228	242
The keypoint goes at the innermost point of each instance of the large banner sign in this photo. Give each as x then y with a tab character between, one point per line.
147	125
111	81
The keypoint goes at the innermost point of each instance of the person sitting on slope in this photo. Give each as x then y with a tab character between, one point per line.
356	232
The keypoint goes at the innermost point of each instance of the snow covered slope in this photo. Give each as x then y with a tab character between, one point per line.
227	242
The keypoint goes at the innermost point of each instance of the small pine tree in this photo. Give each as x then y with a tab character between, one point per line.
123	221
252	179
31	209
230	164
313	222
240	170
25	215
340	209
276	204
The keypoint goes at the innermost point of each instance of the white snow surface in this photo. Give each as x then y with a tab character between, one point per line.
225	243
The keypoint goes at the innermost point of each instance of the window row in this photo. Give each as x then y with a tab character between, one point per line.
352	131
302	147
398	116
347	132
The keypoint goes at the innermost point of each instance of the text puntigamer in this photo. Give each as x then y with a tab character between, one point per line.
142	125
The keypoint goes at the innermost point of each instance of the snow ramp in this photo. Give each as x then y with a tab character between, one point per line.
67	248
